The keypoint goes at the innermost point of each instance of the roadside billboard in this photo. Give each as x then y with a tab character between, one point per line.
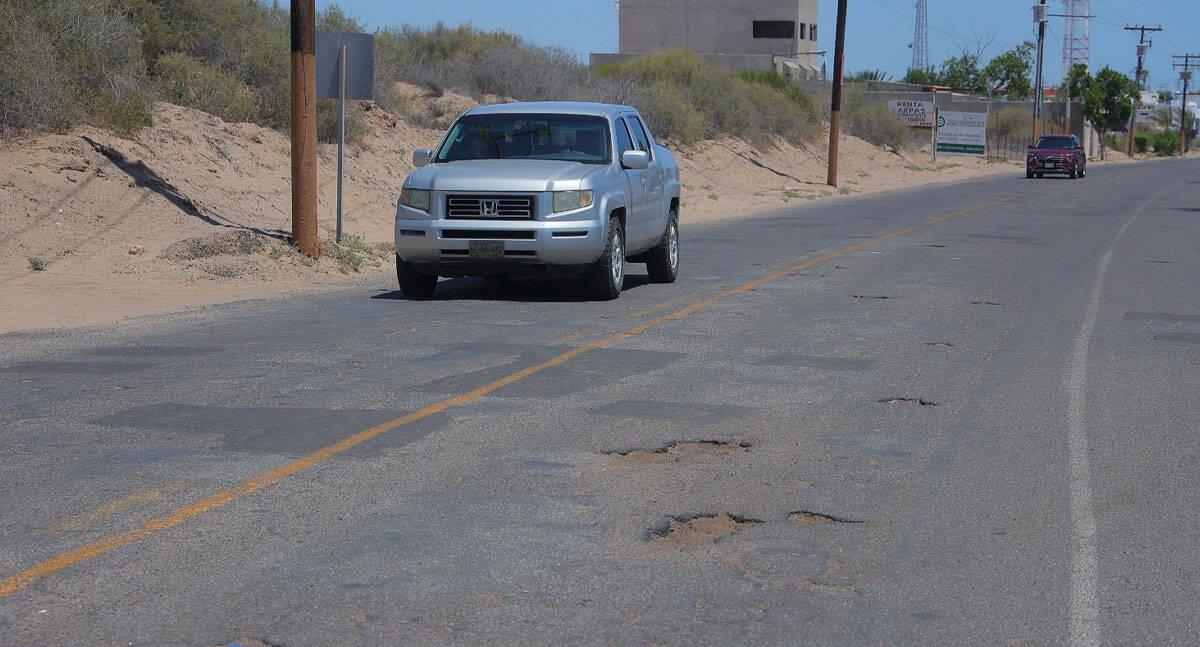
961	133
914	114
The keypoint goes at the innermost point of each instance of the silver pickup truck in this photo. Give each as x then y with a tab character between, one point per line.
574	189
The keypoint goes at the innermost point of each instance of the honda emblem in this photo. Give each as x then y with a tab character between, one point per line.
489	207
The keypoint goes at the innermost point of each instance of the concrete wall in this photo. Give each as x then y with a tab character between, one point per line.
734	62
714	26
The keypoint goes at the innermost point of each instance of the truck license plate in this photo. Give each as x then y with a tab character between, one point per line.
486	249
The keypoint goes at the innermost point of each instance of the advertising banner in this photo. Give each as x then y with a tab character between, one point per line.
914	114
962	133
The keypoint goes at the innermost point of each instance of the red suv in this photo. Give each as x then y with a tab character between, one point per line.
1061	154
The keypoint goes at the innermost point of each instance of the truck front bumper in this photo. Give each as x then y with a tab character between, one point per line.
443	246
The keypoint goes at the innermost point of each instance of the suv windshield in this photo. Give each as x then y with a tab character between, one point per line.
1056	142
568	138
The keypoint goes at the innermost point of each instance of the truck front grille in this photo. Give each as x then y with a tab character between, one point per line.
490	207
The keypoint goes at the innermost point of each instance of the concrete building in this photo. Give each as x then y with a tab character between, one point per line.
735	34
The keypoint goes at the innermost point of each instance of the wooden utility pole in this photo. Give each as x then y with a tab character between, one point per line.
1143	46
835	112
1185	74
1040	17
304	127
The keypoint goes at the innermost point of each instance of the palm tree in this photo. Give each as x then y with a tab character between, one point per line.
868	75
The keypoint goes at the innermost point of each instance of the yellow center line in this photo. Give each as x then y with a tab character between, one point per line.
108	544
108	510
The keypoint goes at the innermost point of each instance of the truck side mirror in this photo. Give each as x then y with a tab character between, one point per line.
635	160
421	157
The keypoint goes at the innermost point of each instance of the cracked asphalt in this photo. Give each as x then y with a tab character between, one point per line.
730	459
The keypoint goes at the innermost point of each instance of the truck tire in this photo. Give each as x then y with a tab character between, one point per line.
1072	175
414	284
662	262
606	276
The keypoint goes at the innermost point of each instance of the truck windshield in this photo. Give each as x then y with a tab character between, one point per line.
568	138
1056	142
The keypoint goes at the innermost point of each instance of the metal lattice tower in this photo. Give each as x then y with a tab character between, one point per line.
1077	46
920	46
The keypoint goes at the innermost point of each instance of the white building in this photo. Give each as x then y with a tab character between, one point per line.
735	34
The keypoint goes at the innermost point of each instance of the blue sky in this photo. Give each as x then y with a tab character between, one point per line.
878	31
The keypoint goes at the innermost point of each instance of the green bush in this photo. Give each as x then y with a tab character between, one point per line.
1165	142
670	113
1141	143
69	62
874	122
186	81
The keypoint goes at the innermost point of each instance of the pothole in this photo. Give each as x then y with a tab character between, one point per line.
936	245
810	518
939	343
922	402
870	296
1161	262
986	303
697	531
677	450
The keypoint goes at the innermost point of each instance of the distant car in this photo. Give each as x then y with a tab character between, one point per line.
1059	154
573	189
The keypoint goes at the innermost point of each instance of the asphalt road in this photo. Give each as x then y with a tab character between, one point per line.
967	414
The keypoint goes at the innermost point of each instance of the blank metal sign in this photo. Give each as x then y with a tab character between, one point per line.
360	65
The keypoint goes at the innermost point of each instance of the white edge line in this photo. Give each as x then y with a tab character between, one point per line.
1085	606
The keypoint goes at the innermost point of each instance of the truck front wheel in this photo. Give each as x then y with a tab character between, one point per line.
414	284
606	277
662	262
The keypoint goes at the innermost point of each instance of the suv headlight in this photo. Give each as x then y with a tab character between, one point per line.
415	198
572	200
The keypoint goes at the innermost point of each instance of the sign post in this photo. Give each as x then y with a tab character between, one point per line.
345	71
341	136
933	135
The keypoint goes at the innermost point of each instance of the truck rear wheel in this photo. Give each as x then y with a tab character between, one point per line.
662	262
414	284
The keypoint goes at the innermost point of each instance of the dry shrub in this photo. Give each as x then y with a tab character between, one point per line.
482	64
68	62
874	122
1010	123
727	104
186	81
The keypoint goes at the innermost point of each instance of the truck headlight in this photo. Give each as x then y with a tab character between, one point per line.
572	200
415	198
